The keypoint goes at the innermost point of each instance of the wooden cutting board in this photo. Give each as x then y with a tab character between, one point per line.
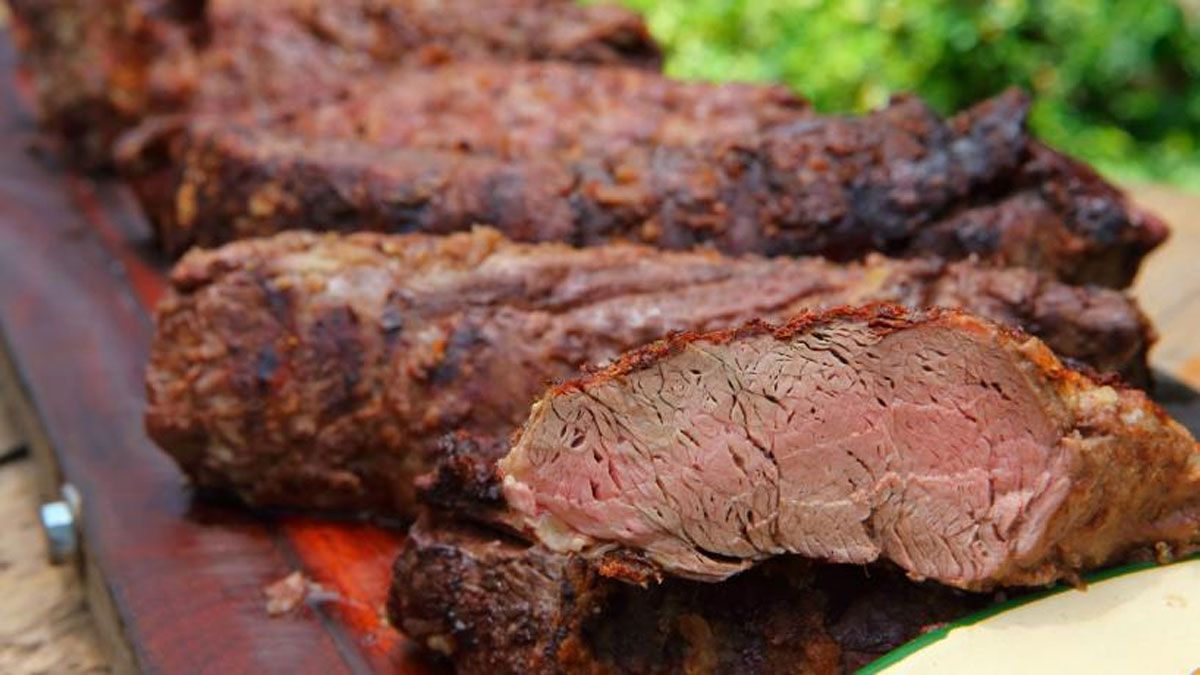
178	586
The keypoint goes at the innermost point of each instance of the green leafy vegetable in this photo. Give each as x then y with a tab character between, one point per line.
1115	81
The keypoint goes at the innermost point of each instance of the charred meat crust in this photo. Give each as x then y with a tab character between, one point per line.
900	180
961	450
464	478
490	603
494	111
319	371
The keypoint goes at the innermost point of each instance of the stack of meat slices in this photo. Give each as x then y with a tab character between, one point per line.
752	500
547	120
730	498
864	371
320	370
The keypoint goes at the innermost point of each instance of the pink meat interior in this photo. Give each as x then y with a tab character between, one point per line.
928	446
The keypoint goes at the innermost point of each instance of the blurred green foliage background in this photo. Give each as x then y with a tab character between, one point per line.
1116	82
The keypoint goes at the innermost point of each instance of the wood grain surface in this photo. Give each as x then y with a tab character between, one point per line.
44	623
178	586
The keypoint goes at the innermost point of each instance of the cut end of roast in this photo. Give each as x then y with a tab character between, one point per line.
961	451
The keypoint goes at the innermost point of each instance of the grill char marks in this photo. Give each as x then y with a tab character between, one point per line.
319	370
958	450
1059	215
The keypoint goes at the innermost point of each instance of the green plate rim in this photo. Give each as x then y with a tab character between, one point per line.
937	635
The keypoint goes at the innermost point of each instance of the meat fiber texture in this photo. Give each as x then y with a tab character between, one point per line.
960	451
901	180
491	603
317	370
102	66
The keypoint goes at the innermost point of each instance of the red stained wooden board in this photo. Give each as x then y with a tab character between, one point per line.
183	581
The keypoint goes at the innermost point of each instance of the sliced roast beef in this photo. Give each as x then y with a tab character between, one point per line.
491	603
961	451
318	370
900	180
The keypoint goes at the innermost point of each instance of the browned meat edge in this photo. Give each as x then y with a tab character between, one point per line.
98	66
961	450
502	110
900	180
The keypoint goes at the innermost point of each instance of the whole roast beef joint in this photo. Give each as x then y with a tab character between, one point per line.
318	371
491	109
958	450
776	180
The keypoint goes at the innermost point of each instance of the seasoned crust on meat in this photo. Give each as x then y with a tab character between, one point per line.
319	371
900	180
491	603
